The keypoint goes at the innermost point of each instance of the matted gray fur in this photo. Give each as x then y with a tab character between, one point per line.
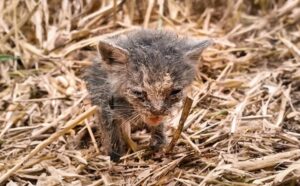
139	79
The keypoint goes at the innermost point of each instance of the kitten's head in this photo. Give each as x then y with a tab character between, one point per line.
151	69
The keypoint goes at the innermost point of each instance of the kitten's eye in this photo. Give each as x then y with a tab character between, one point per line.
139	94
175	92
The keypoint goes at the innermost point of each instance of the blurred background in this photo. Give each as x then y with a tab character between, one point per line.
246	94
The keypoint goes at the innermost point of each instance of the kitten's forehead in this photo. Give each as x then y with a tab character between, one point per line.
158	81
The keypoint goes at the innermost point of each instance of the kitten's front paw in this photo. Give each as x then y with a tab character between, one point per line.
118	150
157	143
114	156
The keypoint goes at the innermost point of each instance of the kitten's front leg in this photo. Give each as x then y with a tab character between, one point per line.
112	137
126	132
118	145
158	138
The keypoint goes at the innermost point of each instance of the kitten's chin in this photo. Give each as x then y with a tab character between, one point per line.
153	121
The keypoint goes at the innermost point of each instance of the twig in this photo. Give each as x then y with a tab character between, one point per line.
41	99
115	12
212	174
188	124
185	112
246	118
282	110
283	174
293	48
187	138
148	13
161	13
237	115
97	183
110	8
266	161
92	136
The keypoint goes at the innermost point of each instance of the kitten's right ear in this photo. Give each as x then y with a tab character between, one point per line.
194	49
112	54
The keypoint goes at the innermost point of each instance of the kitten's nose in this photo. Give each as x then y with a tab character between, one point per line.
158	109
157	112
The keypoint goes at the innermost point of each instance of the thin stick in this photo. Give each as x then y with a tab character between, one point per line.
161	13
266	161
71	124
282	110
185	113
148	13
189	141
92	136
115	12
246	118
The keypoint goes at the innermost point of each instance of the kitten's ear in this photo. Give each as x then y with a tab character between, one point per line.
112	54
194	50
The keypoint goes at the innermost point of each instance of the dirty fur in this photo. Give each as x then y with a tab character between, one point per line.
139	79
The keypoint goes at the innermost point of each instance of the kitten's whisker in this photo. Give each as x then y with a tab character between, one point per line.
129	108
123	108
131	119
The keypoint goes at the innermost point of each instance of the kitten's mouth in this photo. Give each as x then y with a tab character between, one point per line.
153	120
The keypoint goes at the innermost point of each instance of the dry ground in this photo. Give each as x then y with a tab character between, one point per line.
244	125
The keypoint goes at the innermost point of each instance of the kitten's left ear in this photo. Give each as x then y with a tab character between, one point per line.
194	50
112	54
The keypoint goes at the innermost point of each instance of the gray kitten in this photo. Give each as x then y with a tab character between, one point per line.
140	79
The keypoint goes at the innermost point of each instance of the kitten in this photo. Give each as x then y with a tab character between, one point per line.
140	79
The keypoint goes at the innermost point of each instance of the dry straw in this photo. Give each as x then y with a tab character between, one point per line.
243	126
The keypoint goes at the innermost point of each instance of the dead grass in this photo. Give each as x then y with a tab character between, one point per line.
244	125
